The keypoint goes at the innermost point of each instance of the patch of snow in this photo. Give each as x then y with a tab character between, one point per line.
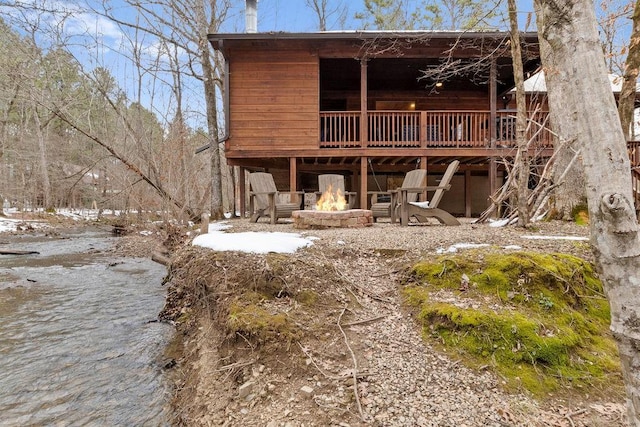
512	247
11	225
579	238
454	248
498	222
253	242
424	204
7	225
219	226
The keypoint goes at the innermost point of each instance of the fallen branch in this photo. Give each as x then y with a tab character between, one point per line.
313	362
355	366
573	414
325	374
386	274
359	288
537	197
371	294
360	322
236	365
10	252
160	258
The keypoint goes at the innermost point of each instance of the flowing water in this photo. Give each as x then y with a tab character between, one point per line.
78	341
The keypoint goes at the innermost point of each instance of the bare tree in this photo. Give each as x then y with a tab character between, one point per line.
612	16
583	110
522	157
390	15
185	24
626	101
325	10
462	14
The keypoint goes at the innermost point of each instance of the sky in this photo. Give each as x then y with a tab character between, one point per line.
296	16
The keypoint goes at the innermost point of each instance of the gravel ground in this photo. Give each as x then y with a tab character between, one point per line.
402	381
419	239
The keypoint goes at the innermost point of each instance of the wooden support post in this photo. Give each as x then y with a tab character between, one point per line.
293	179
363	182
354	184
493	166
423	129
204	223
467	193
423	166
242	184
364	137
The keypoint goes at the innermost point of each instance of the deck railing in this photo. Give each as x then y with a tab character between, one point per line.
393	129
405	129
340	129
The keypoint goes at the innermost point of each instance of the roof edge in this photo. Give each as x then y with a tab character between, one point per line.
357	34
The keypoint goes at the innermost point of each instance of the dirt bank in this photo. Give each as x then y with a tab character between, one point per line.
321	338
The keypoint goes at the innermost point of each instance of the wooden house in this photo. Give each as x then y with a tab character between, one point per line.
372	106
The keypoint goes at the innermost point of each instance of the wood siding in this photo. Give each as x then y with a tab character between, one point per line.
445	99
274	100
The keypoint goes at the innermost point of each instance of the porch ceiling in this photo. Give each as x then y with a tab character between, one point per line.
408	74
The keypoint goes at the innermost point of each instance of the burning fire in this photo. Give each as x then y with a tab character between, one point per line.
331	201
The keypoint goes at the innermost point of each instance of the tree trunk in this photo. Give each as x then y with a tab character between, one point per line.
522	168
583	110
212	122
44	163
628	92
209	80
570	191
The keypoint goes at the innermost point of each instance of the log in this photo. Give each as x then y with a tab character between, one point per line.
10	252
160	258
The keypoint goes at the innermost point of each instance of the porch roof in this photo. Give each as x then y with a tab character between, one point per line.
529	37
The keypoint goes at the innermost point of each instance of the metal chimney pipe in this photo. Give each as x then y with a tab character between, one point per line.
251	16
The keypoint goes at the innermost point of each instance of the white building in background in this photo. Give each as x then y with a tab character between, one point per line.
537	84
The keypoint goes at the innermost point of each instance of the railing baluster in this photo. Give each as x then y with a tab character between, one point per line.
459	129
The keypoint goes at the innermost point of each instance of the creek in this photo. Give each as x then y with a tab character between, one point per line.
79	341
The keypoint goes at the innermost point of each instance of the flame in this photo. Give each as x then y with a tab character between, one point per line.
330	201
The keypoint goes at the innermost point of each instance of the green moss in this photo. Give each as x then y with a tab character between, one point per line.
580	214
541	320
307	297
255	321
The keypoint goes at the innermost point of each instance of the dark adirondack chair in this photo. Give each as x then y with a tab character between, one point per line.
265	200
385	203
421	211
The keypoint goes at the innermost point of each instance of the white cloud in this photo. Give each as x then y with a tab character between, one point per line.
94	26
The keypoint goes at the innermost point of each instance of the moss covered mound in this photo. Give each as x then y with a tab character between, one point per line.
540	320
262	299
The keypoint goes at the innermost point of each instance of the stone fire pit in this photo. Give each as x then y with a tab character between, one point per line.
314	219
